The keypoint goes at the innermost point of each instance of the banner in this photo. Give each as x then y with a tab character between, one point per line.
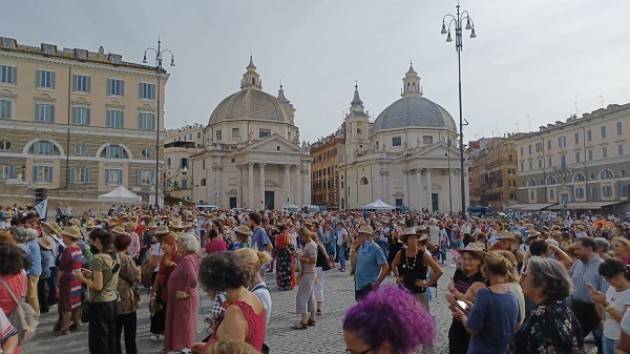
42	208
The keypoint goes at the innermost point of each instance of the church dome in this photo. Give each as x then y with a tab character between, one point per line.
413	110
251	103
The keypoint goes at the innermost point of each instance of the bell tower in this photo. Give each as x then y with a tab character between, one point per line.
411	83
251	79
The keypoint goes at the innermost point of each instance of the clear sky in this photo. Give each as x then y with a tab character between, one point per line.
534	61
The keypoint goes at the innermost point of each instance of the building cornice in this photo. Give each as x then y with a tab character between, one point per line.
77	129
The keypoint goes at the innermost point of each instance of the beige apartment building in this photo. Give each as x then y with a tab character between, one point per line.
179	145
326	154
582	163
76	122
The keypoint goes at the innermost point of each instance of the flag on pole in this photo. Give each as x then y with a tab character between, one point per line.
42	208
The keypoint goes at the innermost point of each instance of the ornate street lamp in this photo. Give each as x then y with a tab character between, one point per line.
455	22
159	52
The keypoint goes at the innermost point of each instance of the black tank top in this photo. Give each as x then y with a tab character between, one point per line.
412	269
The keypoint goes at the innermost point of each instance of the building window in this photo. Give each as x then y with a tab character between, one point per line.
606	174
427	139
603	132
80	175
396	141
146	91
42	174
522	152
146	121
81	115
530	149
168	162
579	177
562	142
577	138
579	193
146	153
590	155
44	112
203	164
113	176
115	87
184	184
81	83
364	181
606	191
203	182
522	166
550	160
563	161
183	163
604	152
7	172
619	128
551	180
43	148
45	79
235	133
549	145
539	164
8	74
146	177
531	166
114	152
218	135
620	149
115	118
577	157
79	149
589	136
539	146
6	109
263	133
5	145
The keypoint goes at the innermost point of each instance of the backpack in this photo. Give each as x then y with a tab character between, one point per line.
23	317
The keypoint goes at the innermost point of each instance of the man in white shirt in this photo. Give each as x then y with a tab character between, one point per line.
342	241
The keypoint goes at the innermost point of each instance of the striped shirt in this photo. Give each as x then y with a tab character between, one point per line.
587	273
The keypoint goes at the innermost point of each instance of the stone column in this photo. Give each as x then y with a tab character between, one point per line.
250	185
429	191
262	186
420	197
407	199
298	191
382	196
287	185
386	188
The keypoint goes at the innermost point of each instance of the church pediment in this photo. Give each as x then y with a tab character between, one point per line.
437	150
273	143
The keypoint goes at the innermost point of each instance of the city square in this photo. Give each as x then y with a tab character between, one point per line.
247	177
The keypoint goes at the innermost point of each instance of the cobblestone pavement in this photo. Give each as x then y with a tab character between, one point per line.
325	337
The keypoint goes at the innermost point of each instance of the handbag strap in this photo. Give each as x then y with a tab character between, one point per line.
10	291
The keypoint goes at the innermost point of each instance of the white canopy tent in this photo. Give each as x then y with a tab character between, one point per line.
120	195
378	205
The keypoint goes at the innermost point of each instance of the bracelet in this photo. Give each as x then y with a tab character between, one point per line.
608	307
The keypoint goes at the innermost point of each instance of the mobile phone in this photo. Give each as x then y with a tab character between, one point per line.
462	305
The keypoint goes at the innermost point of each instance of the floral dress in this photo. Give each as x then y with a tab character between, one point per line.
550	327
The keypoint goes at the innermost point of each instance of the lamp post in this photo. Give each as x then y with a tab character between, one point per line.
159	52
455	21
450	194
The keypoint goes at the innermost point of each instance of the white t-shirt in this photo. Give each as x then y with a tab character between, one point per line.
620	300
156	250
265	297
342	234
434	232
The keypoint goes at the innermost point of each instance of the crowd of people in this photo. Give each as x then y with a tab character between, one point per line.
522	284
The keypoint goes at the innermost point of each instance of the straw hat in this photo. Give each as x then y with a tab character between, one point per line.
508	236
408	233
475	248
365	230
89	224
45	242
119	230
52	227
72	231
75	222
581	227
243	230
161	230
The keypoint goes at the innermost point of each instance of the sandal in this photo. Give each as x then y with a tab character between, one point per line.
299	326
311	323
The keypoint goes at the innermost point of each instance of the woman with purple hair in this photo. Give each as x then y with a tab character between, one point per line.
388	321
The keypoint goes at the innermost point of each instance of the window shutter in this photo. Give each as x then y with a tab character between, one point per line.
88	83
88	178
122	88
72	176
138	177
52	79
88	112
34	173
109	86
49	174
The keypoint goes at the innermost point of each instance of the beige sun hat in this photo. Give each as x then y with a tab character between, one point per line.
366	230
72	231
119	230
243	230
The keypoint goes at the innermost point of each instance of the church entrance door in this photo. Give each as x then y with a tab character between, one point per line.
269	200
232	202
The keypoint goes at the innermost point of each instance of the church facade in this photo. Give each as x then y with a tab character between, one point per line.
252	157
407	157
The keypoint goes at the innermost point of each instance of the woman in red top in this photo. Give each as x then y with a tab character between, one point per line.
69	285
245	316
12	274
159	290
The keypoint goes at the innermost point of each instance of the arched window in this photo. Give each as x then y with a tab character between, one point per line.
364	181
551	180
606	174
114	152
579	177
531	182
43	147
